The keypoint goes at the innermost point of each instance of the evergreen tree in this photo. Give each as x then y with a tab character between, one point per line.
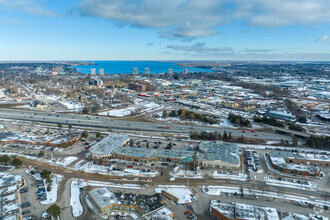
54	210
225	136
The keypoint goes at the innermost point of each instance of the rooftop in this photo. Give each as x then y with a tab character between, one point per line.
226	152
244	211
151	153
103	197
108	144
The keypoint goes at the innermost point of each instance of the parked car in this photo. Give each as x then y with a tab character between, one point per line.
24	190
26	212
187	212
25	204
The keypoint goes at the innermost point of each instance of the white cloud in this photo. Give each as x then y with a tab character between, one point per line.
202	18
323	38
27	6
199	48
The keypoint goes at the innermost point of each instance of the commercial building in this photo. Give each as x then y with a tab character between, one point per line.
220	155
105	148
285	162
239	211
144	155
27	140
63	140
212	154
135	205
281	115
137	87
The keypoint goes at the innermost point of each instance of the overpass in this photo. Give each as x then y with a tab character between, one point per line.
288	131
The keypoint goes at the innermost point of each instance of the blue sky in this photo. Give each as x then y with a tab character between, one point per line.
165	30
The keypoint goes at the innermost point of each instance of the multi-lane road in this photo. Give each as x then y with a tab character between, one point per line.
89	121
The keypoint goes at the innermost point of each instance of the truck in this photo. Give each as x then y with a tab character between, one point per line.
164	127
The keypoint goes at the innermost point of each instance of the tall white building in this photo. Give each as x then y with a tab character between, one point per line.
101	71
135	71
170	71
146	70
185	71
93	71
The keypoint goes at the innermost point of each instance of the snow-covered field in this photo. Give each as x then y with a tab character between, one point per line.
52	195
138	107
240	176
179	191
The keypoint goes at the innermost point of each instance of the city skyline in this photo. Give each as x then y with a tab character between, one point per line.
172	30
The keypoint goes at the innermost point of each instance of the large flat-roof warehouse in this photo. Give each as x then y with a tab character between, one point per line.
105	147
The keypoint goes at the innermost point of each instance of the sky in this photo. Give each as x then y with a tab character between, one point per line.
293	30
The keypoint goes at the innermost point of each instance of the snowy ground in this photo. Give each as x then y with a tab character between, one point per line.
224	122
138	107
181	172
52	195
66	161
36	175
76	206
217	190
93	168
72	105
308	185
179	191
133	172
240	176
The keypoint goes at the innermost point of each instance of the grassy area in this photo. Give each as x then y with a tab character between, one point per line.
139	118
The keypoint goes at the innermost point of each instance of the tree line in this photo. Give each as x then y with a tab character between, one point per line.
190	115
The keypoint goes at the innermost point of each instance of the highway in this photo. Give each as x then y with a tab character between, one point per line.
90	122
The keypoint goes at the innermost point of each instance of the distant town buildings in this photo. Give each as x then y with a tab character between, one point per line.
101	70
98	82
38	69
146	70
93	71
135	71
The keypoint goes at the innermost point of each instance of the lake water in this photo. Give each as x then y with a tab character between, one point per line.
126	67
